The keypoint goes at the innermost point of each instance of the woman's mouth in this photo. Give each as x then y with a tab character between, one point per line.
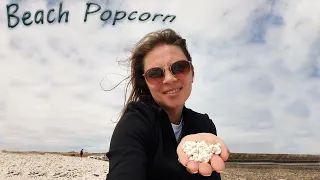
172	91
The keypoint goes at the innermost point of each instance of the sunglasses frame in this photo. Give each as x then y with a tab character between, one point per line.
163	70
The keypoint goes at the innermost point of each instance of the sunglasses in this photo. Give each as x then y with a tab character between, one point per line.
179	69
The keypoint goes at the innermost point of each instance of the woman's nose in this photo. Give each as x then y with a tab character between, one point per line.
168	77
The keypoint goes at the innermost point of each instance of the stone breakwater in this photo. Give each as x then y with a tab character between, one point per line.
50	167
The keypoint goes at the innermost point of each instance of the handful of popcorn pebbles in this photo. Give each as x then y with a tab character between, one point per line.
200	151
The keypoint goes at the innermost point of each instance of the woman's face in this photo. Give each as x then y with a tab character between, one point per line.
172	92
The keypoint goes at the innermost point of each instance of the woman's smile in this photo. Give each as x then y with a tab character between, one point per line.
173	91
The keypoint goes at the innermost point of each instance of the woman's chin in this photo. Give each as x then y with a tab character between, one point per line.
173	105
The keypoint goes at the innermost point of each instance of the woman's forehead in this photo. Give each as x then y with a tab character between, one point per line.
163	56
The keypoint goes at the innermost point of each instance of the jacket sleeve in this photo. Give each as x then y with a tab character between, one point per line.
130	144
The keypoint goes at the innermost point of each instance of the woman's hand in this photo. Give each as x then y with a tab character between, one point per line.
204	168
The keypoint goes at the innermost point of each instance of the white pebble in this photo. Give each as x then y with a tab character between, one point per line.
200	151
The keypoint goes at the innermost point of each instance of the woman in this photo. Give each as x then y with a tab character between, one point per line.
146	143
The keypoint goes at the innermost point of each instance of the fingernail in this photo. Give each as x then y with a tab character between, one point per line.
207	175
191	171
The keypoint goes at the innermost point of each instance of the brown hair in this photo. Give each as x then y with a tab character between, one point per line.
140	90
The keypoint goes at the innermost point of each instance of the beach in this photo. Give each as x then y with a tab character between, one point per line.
50	166
46	166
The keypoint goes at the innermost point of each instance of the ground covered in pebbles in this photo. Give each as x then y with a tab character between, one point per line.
48	166
52	167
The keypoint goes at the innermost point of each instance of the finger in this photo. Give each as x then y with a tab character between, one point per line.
205	169
191	172
182	156
225	152
192	167
217	163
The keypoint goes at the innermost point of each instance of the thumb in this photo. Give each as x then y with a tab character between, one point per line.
182	157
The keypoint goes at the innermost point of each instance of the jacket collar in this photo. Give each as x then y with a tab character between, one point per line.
185	110
186	114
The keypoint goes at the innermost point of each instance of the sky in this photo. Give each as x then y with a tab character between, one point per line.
257	72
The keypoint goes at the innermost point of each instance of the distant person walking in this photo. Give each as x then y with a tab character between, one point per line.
81	153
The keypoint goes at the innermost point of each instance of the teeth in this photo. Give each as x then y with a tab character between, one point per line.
173	91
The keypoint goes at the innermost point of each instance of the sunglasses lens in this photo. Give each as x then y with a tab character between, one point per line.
181	69
154	75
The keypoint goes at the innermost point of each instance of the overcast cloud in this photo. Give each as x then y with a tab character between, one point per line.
257	72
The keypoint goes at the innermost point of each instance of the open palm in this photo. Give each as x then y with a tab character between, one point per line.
204	168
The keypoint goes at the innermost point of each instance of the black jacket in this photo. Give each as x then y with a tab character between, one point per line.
143	145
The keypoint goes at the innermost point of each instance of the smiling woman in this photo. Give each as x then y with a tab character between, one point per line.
148	141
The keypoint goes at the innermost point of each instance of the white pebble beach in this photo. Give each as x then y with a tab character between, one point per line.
50	166
58	167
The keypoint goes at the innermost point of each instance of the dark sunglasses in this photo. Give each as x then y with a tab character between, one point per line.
179	69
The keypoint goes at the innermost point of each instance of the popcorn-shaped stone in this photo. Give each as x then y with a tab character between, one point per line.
200	151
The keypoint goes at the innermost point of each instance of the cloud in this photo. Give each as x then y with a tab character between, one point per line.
256	73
